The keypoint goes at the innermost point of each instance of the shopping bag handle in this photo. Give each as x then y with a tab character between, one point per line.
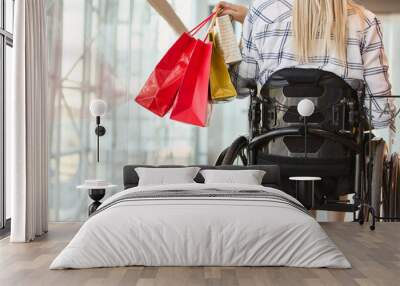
212	24
196	29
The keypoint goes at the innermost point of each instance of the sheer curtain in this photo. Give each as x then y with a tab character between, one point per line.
26	129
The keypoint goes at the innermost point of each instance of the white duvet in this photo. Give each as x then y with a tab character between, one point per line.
200	231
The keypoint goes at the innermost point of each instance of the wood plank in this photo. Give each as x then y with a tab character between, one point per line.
375	257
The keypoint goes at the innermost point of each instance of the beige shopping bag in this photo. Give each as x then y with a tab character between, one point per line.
227	40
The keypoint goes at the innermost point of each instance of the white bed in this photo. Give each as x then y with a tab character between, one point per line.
201	231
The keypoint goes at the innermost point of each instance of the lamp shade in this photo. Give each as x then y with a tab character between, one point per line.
98	107
306	108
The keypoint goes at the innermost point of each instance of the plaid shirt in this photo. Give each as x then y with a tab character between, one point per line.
267	46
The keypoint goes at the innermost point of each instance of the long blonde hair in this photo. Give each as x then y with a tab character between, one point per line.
321	26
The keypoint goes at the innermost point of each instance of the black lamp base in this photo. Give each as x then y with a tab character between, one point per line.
96	195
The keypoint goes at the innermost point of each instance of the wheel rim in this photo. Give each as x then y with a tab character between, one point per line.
237	151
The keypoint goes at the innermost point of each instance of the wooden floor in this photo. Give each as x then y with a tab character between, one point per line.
375	257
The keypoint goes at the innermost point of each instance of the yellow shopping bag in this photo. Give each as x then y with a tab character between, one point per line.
221	87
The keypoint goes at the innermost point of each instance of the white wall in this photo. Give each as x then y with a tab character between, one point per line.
391	28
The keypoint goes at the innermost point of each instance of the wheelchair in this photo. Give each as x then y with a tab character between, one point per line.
333	145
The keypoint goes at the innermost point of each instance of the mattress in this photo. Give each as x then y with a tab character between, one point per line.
201	225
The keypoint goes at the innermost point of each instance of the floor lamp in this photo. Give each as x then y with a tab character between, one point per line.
97	188
98	108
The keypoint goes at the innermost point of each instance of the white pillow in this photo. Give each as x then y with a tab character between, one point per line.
247	177
166	176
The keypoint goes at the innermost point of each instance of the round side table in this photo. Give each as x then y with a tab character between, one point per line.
304	180
96	193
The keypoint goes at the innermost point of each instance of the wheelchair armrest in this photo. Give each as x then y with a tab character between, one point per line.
246	87
265	138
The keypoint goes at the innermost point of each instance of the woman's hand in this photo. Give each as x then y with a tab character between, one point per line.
237	12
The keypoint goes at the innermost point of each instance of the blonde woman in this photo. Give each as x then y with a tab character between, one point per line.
337	36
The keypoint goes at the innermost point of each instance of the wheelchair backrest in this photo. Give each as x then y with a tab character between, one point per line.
337	110
336	102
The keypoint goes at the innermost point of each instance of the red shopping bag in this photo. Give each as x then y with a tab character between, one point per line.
159	91
192	100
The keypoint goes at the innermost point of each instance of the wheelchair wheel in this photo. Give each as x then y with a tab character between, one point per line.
237	152
386	187
221	157
395	197
377	174
390	195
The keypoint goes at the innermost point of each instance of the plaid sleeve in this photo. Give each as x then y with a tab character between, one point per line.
248	69
376	76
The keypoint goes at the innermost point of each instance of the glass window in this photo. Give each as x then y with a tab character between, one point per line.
108	52
9	15
390	27
1	14
2	195
8	70
6	66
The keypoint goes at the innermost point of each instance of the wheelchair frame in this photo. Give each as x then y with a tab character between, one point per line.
363	170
